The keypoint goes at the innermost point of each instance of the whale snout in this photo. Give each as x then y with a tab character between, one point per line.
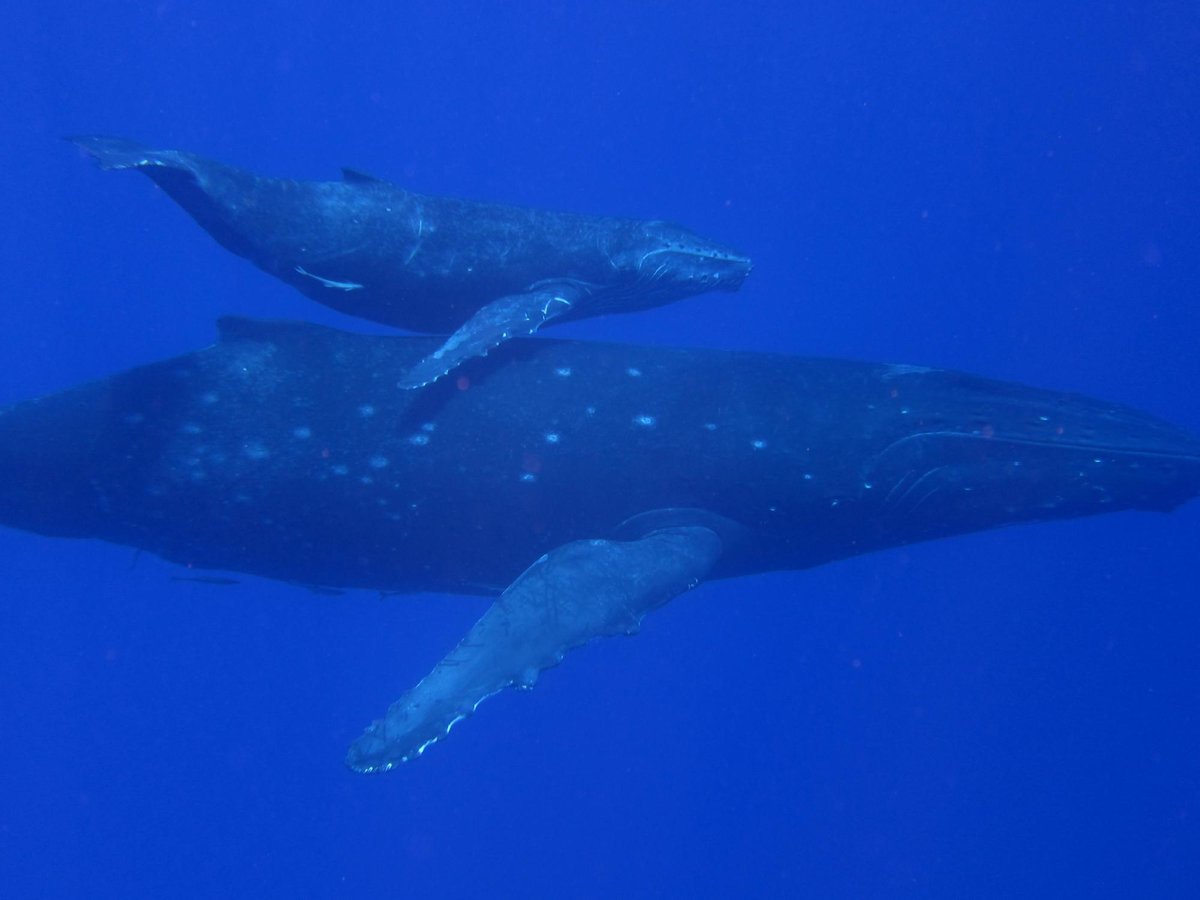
721	272
689	263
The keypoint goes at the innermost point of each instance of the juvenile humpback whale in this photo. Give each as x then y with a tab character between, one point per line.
594	481
372	249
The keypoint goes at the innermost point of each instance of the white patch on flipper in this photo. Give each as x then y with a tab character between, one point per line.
329	282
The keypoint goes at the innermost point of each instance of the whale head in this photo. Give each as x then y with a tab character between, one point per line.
664	262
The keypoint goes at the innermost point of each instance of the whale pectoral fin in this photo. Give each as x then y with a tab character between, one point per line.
579	591
515	315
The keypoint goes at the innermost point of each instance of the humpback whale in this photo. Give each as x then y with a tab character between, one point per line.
581	484
483	271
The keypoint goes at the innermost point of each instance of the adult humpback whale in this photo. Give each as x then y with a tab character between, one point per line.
595	481
372	249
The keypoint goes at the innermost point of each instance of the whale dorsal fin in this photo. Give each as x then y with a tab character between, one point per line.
356	176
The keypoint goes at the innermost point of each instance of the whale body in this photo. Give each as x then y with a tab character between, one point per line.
484	271
582	484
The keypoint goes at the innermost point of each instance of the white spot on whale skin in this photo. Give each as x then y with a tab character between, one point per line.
758	444
645	421
366	410
633	373
255	450
419	439
428	426
710	426
552	437
528	477
339	470
302	433
563	371
378	462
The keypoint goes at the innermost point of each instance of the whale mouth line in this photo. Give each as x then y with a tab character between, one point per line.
713	255
916	482
693	257
1053	444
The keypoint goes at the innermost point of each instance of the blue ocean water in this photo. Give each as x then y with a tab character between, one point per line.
1007	189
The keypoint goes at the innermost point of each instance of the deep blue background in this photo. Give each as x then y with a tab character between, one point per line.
1008	187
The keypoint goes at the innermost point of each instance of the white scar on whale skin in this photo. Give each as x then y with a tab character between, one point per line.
329	282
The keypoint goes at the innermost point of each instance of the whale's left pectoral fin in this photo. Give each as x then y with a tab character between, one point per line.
516	315
580	591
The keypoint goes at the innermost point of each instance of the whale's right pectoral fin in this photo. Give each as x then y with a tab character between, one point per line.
516	315
580	591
